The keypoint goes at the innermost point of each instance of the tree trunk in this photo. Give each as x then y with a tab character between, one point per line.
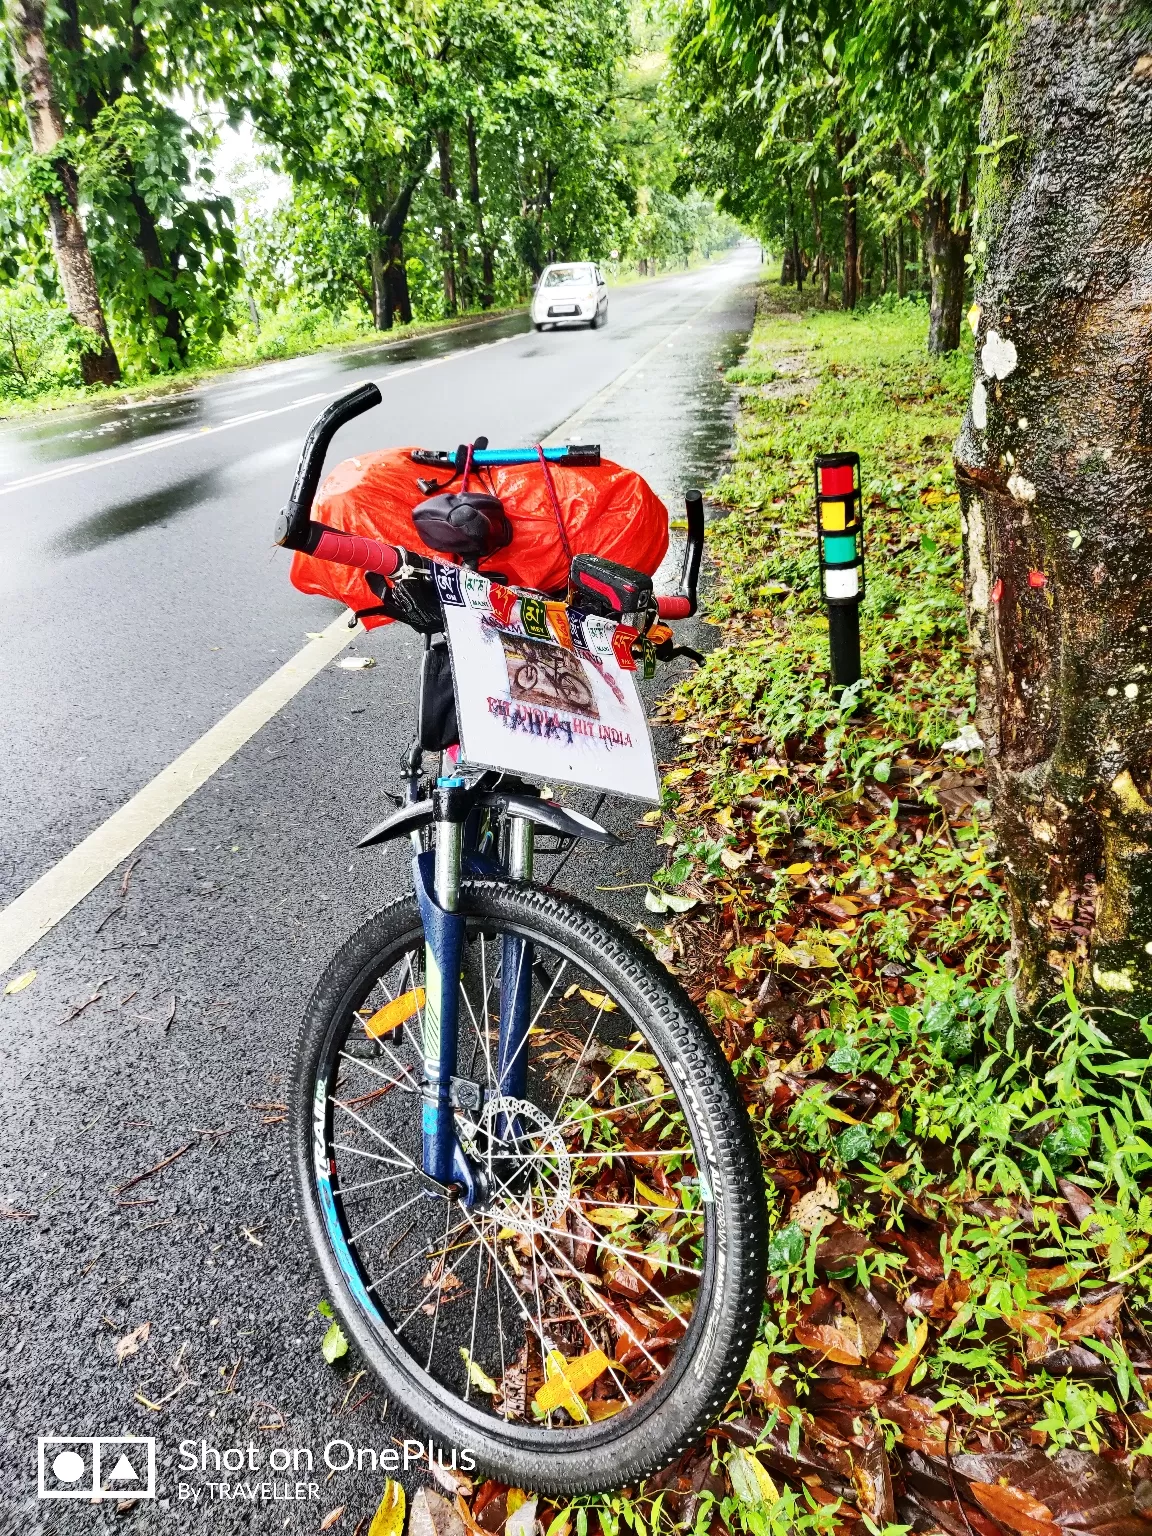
448	221
1055	469
148	244
901	270
26	23
381	308
390	295
845	144
397	299
797	263
487	272
823	265
947	247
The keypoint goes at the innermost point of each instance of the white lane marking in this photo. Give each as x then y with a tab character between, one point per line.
38	909
173	440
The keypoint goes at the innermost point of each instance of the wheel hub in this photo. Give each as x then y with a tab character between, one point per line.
528	1169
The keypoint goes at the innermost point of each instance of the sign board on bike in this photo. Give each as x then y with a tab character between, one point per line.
544	691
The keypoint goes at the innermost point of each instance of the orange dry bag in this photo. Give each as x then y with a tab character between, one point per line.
603	510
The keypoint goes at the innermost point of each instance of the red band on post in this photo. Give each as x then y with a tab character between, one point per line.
669	607
836	479
351	549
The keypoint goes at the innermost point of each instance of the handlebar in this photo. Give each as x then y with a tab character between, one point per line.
693	550
295	529
351	549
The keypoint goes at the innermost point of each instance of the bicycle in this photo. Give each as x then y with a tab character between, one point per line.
572	690
523	1168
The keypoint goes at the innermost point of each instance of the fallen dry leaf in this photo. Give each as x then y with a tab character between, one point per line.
389	1517
1018	1510
1085	1320
432	1515
130	1344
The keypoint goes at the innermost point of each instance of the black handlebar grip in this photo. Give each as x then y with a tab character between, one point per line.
292	525
693	545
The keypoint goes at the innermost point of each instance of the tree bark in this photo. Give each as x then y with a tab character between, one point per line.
901	271
26	26
823	265
390	295
148	244
397	298
845	144
487	272
448	221
946	246
1055	469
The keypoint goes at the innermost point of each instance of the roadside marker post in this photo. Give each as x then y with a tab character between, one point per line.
840	547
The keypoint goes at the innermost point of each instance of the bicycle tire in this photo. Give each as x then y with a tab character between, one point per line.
573	690
618	1451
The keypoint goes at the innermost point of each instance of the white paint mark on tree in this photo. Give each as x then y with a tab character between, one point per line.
998	355
979	406
1020	489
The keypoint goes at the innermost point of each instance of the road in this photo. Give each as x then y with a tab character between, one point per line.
141	601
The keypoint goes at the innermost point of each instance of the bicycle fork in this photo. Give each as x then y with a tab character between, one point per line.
437	877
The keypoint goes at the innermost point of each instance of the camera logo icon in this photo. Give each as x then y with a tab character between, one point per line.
96	1467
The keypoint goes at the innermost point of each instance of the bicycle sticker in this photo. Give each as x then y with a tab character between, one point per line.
545	691
448	583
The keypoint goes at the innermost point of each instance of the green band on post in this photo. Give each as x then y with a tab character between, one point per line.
840	549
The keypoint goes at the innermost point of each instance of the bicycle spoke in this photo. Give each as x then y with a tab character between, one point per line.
376	1072
355	1189
557	1218
439	1287
354	1237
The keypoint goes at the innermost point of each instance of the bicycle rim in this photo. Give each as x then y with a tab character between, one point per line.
570	1302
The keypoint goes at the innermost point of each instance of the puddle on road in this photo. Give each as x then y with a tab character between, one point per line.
706	450
56	437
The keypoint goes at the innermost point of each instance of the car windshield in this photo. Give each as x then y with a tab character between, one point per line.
559	277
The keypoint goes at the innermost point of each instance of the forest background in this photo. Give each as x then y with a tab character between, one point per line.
420	162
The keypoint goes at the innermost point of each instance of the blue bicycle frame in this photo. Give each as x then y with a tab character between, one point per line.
437	877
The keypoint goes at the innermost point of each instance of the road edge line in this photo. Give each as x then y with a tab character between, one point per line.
37	910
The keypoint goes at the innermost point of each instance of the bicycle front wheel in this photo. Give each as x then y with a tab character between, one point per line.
585	1321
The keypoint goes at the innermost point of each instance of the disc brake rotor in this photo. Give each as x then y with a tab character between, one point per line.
532	1181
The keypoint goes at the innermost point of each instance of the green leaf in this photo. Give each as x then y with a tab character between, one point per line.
846	1059
786	1248
334	1346
854	1143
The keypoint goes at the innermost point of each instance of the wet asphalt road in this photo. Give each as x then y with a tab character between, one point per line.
139	601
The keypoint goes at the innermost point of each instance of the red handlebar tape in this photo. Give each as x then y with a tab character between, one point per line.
351	549
672	607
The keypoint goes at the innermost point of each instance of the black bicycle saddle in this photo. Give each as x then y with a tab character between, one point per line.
472	524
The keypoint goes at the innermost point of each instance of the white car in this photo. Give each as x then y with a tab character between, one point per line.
568	291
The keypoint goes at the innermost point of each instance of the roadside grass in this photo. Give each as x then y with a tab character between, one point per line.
954	1332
